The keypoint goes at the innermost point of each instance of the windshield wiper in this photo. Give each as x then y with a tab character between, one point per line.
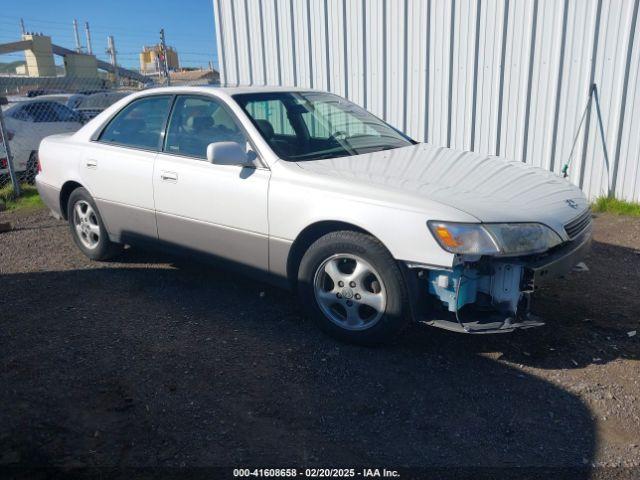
329	155
332	152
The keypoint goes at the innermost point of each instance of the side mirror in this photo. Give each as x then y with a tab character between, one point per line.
227	153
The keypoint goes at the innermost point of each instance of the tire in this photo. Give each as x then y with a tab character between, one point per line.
29	175
87	228
369	311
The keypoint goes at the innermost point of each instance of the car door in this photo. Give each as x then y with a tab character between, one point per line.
117	167
216	209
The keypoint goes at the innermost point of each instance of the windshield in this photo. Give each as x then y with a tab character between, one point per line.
312	125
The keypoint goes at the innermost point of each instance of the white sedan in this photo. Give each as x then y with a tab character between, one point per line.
371	229
28	123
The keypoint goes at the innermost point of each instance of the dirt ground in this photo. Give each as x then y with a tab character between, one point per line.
151	360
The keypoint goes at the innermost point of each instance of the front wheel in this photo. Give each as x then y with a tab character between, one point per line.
87	227
353	288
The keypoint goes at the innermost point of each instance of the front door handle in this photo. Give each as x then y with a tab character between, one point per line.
92	163
169	176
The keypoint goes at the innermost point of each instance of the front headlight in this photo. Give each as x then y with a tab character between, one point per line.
508	239
523	238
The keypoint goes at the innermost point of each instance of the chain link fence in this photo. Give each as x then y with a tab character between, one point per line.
33	108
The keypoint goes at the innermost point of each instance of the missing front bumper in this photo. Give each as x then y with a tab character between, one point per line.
497	324
492	295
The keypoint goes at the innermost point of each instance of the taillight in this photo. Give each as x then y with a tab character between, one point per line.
3	163
38	164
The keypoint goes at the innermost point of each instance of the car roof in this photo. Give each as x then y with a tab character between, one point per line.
229	90
261	89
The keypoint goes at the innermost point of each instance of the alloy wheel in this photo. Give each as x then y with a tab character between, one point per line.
86	224
350	292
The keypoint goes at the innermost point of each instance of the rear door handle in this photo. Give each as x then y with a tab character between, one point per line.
169	176
92	163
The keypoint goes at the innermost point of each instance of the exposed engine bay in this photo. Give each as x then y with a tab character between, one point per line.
484	296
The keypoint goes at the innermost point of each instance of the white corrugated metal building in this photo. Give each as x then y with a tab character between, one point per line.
506	77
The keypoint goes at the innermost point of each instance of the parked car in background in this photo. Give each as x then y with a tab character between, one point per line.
91	105
28	123
12	100
3	151
71	100
92	91
4	103
42	91
4	166
370	228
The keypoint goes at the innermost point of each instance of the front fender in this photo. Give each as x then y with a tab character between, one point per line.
404	232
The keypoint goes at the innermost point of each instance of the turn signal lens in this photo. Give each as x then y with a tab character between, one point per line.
446	237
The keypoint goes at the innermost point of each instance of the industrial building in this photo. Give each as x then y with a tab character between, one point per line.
151	59
39	54
39	60
501	77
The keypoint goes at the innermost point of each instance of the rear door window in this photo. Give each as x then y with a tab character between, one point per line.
21	113
40	112
139	124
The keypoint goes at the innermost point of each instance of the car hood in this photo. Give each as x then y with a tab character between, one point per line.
487	187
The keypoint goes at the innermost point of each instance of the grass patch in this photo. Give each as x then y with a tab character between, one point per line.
617	207
28	199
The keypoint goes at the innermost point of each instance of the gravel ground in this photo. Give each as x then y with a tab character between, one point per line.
150	360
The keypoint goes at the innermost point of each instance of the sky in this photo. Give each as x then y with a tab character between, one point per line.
188	26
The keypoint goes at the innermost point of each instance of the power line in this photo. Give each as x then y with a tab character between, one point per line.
96	28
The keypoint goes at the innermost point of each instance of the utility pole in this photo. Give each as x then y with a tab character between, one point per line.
77	36
165	64
22	29
88	32
111	50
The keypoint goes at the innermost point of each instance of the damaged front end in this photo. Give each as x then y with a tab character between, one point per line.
484	293
483	296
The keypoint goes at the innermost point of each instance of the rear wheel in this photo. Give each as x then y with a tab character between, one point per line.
353	288
87	227
30	173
